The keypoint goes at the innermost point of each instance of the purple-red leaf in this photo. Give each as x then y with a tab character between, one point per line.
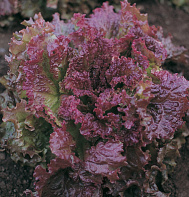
62	144
105	159
63	180
169	105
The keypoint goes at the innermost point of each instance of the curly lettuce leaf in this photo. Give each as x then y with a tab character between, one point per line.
124	70
105	159
168	106
38	63
63	145
61	179
25	136
131	175
105	20
7	99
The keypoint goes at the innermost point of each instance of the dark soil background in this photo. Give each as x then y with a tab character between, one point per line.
15	179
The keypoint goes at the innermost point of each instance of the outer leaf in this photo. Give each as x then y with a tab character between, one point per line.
61	180
129	15
105	20
42	62
150	48
168	106
173	51
105	159
60	27
7	99
63	145
40	70
131	175
25	136
16	115
150	186
42	176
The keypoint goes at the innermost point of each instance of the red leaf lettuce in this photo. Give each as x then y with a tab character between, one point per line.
93	92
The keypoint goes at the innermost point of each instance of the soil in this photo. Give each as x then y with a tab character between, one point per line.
15	178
